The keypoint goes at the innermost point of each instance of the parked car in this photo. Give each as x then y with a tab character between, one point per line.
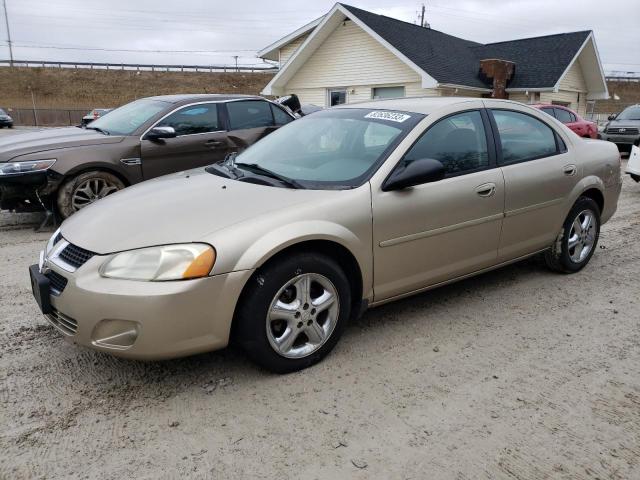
624	129
69	168
5	119
94	114
582	127
349	207
633	165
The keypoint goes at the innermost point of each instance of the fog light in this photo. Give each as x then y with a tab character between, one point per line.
116	334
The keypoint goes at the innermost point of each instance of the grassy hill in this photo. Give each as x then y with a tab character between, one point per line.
86	89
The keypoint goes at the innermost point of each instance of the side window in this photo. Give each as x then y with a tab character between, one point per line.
280	116
459	142
193	119
548	111
523	137
564	116
249	114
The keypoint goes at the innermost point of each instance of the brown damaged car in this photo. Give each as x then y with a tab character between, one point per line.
68	168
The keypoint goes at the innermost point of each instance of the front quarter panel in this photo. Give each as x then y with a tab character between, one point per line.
70	161
342	217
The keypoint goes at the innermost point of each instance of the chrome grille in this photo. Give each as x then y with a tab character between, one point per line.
57	282
75	256
623	130
65	324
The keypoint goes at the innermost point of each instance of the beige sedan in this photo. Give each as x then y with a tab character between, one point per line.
348	208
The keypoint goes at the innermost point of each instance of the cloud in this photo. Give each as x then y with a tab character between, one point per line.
241	28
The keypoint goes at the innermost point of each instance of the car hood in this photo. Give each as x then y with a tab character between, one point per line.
51	139
178	208
624	123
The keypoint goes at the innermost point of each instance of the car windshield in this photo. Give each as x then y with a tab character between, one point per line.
631	113
333	148
128	118
2	112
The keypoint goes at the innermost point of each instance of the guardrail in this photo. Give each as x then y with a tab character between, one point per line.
46	117
138	66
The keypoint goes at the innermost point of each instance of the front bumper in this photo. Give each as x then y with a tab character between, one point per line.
146	320
33	186
621	139
6	123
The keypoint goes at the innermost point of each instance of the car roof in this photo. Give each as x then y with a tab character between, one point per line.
424	105
202	97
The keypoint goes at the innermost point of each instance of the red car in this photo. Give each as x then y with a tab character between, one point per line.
582	127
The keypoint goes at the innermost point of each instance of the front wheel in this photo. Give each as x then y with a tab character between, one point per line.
84	189
293	312
578	238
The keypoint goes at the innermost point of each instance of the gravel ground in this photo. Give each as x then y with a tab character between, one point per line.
515	374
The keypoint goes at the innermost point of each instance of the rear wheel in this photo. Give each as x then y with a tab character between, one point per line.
293	312
84	189
578	238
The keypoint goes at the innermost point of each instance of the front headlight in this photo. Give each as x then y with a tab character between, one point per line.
16	168
169	262
55	238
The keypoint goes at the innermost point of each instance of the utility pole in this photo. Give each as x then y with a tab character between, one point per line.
423	22
6	20
236	58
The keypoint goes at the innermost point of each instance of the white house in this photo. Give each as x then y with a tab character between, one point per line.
352	55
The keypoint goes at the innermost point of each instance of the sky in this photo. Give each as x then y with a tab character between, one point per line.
211	32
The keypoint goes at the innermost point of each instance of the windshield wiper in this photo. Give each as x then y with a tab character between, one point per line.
98	129
260	170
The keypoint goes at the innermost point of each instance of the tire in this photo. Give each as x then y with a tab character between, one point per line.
260	325
84	189
11	125
562	257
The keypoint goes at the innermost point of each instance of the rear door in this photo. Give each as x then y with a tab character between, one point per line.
251	120
200	140
539	173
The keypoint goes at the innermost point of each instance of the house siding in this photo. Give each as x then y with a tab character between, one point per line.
350	53
290	48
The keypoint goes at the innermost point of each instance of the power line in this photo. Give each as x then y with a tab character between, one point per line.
131	50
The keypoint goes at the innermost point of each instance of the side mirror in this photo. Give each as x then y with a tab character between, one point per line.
157	133
421	171
612	116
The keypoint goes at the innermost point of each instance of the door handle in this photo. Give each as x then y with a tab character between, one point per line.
214	143
486	189
569	170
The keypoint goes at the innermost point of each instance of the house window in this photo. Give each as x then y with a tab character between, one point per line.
337	97
387	92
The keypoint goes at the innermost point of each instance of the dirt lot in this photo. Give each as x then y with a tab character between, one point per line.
515	374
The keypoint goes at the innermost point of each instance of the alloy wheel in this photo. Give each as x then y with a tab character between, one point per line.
91	190
302	315
582	236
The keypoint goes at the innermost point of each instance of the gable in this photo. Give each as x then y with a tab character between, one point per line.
574	79
350	53
289	49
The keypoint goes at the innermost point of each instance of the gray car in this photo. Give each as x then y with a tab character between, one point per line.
624	129
69	168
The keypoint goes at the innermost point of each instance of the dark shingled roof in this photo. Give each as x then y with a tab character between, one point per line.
540	61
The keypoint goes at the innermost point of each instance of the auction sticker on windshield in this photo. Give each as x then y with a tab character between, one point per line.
391	116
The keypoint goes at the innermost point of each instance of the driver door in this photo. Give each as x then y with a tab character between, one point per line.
200	140
437	231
